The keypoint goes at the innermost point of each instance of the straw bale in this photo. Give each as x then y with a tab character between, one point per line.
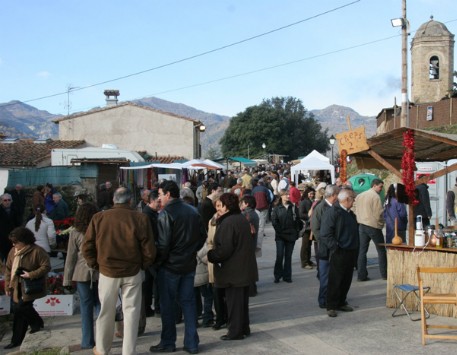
402	267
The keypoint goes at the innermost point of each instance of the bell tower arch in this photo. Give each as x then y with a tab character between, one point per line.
432	62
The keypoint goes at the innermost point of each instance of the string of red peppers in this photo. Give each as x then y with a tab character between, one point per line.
343	165
408	165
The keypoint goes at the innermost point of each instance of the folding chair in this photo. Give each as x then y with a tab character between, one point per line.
436	298
402	292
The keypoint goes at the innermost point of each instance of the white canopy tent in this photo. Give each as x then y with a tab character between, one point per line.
317	155
312	163
210	162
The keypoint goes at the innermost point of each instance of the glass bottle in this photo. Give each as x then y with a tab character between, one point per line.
439	238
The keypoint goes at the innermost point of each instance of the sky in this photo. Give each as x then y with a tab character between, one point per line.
218	56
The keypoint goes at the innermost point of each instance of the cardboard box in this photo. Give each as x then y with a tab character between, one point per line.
56	305
5	303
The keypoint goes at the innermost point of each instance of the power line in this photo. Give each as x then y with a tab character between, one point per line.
193	56
275	66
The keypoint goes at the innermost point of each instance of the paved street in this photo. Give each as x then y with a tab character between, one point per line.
285	319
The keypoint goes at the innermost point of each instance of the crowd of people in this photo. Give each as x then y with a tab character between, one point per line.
189	252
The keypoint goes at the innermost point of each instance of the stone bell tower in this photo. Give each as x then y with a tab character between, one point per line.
432	62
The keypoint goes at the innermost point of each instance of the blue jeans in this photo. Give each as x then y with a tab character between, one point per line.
366	234
283	264
89	302
177	288
324	267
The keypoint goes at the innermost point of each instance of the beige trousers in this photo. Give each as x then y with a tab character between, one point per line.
131	307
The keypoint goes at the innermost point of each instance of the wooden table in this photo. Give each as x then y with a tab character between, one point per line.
402	261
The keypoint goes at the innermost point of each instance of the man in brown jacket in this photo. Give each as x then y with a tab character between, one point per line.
119	243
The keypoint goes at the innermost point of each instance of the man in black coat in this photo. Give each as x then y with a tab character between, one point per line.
150	282
18	195
9	219
339	240
180	235
423	208
207	209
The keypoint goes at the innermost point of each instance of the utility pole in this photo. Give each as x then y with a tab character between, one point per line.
404	118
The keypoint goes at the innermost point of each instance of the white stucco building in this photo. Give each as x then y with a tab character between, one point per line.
133	127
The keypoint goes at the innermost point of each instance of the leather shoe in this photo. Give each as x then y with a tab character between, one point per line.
190	351
346	308
37	329
363	280
149	312
218	326
276	281
11	346
208	324
226	337
331	313
288	280
159	348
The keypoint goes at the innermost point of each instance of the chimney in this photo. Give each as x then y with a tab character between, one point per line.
111	97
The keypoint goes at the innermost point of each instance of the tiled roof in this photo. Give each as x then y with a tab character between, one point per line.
26	152
165	159
127	103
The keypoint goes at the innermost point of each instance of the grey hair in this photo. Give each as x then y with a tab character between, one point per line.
331	190
344	194
6	195
57	194
122	195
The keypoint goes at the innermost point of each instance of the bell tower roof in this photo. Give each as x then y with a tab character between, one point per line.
432	28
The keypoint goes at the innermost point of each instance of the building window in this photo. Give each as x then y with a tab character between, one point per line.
434	72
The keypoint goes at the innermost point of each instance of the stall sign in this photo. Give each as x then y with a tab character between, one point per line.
353	141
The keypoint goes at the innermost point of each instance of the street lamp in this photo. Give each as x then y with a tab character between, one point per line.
199	128
332	141
264	147
403	23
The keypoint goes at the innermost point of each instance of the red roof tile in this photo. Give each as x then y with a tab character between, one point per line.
165	159
26	152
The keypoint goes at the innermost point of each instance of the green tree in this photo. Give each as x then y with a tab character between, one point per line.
282	123
213	153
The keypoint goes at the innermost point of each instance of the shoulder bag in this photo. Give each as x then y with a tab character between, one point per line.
33	286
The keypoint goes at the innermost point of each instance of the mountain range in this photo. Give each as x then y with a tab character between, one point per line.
20	120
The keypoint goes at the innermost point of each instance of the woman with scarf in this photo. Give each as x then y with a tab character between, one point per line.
25	261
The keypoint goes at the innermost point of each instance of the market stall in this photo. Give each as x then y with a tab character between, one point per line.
401	148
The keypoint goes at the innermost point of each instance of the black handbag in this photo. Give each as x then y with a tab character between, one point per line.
33	286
